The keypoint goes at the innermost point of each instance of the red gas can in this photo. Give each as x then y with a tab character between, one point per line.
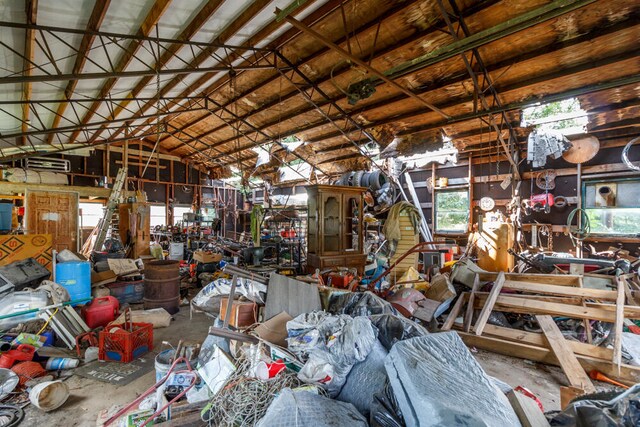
23	352
100	311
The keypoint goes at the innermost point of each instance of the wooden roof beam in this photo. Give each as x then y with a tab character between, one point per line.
635	78
588	37
31	11
321	38
97	16
229	31
152	18
190	30
397	9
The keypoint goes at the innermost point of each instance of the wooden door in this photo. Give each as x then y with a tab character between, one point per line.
54	213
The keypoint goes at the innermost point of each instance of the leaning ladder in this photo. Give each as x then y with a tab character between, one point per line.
112	206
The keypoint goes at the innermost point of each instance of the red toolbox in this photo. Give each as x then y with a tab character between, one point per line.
101	311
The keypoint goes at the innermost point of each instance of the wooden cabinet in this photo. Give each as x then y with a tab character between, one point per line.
134	227
335	235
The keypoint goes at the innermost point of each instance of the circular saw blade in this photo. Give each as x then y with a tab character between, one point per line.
582	150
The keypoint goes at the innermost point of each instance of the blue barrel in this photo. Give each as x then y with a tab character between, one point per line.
75	276
6	210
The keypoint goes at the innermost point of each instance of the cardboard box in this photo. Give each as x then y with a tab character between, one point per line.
16	247
274	330
243	313
206	257
103	278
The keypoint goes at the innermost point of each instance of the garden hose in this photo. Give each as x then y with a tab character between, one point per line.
10	415
625	154
581	232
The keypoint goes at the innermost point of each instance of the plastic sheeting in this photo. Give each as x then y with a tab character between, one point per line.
305	409
437	382
365	380
333	345
310	330
208	299
623	410
631	347
359	304
392	329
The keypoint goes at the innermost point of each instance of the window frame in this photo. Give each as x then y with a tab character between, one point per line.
162	205
594	181
437	191
81	216
173	211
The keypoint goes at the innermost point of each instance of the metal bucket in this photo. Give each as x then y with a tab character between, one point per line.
162	285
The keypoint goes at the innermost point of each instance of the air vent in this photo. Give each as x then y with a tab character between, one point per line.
47	164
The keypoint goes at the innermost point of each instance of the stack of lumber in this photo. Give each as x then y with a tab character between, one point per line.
409	238
544	296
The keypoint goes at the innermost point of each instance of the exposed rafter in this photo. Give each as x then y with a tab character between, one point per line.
229	31
285	97
97	15
31	11
190	30
321	38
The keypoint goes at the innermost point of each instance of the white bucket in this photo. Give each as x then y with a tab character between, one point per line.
49	395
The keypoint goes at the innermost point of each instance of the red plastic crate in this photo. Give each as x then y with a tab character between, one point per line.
124	346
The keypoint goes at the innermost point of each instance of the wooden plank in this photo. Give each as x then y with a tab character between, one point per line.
560	290
537	339
526	303
527	410
21	187
468	317
549	279
586	322
488	305
631	299
630	311
453	314
567	394
481	297
628	374
563	352
529	306
617	326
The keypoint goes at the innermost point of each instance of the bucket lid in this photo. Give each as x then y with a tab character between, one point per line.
49	395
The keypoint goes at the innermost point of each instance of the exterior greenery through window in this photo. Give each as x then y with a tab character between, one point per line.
624	221
621	216
452	211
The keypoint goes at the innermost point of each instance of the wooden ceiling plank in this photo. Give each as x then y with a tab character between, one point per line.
433	29
321	38
217	85
456	80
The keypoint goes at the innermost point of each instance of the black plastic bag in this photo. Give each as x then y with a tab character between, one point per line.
587	411
392	328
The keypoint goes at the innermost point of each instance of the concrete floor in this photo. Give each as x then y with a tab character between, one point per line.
89	397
